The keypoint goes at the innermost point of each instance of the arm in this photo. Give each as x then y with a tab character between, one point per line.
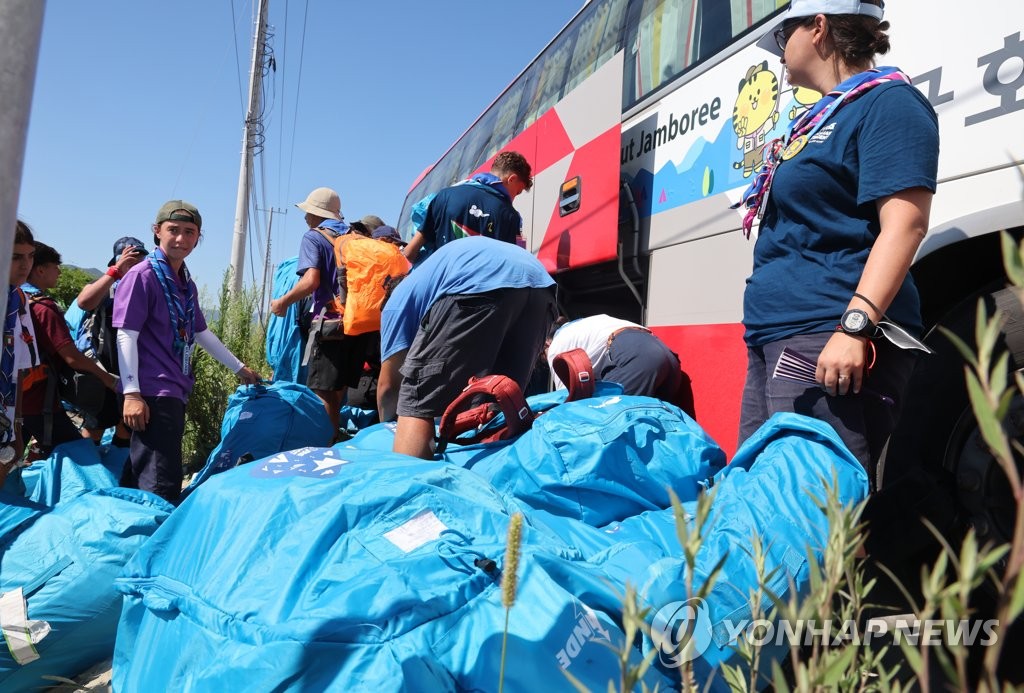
412	250
903	217
92	294
389	382
307	283
136	411
209	341
83	364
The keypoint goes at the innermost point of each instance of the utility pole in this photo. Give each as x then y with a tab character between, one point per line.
266	257
245	170
21	25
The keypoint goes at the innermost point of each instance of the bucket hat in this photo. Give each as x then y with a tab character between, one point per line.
322	202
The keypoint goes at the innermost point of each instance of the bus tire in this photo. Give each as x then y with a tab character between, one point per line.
937	456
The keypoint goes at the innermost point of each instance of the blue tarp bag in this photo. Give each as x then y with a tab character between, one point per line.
72	469
284	339
65	560
598	460
263	419
339	569
775	488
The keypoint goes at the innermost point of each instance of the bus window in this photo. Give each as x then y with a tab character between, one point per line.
667	37
551	72
747	13
506	110
597	40
474	144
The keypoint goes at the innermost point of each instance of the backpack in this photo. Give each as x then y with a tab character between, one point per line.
84	391
367	268
97	337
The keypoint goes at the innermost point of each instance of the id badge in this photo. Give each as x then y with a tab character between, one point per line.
186	359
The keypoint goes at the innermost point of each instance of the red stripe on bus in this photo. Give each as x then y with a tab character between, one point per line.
715	358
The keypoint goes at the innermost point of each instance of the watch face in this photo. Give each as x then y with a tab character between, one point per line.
6	454
854	320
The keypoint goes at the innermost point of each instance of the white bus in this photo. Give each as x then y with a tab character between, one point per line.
639	122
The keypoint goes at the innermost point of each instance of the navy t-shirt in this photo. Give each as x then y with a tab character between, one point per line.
821	219
470	210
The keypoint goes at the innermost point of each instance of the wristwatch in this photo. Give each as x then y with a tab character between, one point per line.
857	323
7	454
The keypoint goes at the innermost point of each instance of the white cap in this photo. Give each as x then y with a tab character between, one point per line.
810	8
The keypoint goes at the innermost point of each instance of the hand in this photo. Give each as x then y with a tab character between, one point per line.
130	257
841	364
247	376
278	307
136	412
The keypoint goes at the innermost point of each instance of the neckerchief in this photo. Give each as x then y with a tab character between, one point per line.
491	180
182	311
8	378
755	197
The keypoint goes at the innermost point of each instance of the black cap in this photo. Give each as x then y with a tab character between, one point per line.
121	243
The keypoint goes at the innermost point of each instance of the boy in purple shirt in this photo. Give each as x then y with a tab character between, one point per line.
159	322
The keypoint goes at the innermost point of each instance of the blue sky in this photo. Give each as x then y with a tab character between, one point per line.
138	102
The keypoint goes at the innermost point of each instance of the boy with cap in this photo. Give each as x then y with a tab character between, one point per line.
334	364
159	322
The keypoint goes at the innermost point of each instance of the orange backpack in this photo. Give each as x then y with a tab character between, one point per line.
366	268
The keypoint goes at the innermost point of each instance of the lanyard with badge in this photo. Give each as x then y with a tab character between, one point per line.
755	198
182	309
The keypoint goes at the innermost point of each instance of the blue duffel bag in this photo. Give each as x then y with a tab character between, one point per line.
64	560
263	419
597	460
72	469
338	570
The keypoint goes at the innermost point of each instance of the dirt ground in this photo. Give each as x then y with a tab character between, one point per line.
94	680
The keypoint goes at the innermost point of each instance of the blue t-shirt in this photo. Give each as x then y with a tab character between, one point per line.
477	208
468	266
316	251
821	219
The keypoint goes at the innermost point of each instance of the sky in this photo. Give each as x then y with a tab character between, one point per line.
140	102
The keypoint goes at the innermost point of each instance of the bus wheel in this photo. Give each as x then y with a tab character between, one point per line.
937	455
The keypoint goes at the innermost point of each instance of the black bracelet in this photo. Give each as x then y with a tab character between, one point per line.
872	305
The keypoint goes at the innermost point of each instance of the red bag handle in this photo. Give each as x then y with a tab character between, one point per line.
461	417
575	370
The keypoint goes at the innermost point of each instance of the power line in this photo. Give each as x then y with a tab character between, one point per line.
298	85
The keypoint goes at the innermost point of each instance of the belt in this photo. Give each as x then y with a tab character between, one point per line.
616	333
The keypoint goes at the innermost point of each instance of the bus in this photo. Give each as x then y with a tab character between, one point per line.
645	120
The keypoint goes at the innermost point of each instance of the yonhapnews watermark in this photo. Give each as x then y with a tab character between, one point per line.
682	631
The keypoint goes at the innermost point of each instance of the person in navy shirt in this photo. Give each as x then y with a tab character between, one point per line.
476	307
845	211
481	206
334	365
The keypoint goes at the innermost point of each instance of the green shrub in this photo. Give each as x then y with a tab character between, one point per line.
234	322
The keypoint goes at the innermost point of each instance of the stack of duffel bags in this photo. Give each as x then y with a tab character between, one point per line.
64	538
350	567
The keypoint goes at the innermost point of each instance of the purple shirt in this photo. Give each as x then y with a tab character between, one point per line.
139	304
315	251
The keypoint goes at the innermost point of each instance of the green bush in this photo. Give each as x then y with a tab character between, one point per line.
234	322
70	283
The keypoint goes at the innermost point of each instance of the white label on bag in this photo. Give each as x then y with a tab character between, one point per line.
421	529
20	633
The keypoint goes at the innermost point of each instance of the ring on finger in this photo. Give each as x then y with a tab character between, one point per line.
844	377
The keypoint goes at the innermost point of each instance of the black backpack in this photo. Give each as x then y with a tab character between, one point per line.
102	337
